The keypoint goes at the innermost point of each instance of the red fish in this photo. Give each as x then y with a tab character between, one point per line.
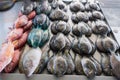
15	34
32	15
21	21
6	55
22	41
10	67
28	26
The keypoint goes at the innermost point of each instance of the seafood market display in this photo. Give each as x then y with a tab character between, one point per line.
61	37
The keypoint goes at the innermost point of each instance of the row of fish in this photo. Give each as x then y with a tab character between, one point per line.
16	39
87	20
34	57
61	44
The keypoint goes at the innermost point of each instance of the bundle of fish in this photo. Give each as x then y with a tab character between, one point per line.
83	47
16	39
58	36
35	59
61	62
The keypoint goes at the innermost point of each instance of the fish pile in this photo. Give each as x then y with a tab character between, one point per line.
57	36
34	60
89	15
83	47
16	39
61	62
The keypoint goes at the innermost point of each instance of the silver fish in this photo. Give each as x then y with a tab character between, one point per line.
31	61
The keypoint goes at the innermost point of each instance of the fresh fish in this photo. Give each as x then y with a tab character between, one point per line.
59	65
6	55
43	62
50	65
44	58
21	21
31	61
105	64
13	64
15	34
78	65
115	64
71	65
89	67
25	50
98	66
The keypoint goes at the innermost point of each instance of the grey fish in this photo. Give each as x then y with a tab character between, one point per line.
115	64
71	65
78	65
105	64
89	67
31	61
59	65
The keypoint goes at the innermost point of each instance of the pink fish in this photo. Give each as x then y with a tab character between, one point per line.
10	67
6	55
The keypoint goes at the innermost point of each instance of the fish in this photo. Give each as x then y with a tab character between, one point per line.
26	48
21	21
13	64
89	67
15	34
6	55
31	61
